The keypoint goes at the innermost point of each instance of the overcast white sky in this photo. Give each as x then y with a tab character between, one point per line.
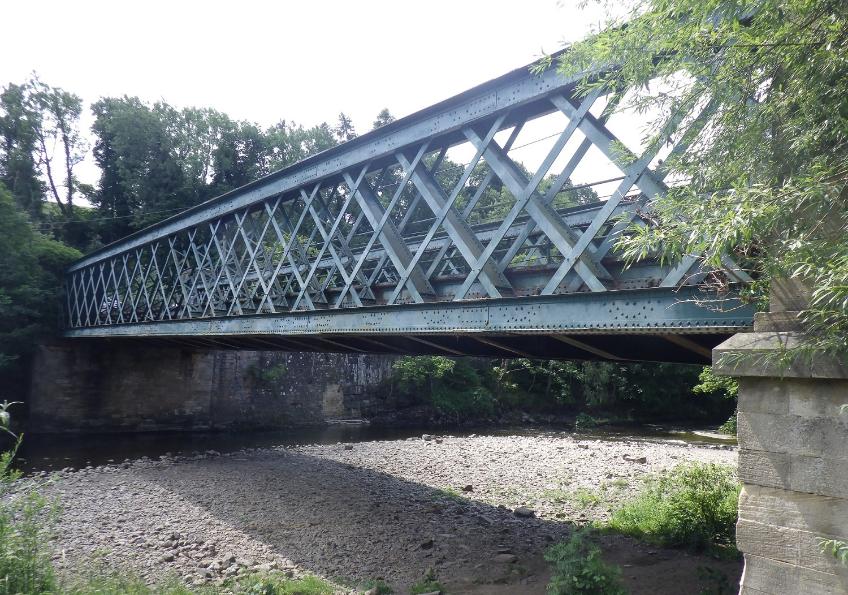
263	61
299	61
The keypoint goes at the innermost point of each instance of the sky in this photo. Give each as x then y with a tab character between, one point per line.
265	61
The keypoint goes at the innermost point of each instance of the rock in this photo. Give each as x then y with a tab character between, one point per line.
348	446
432	593
426	437
372	591
426	545
438	440
505	559
167	558
640	460
523	512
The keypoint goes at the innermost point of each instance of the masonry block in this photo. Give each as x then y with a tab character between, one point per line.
793	457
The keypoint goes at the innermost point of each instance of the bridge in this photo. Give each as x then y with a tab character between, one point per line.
431	235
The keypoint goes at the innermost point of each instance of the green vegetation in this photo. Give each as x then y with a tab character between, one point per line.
426	586
104	583
449	494
767	180
585	498
453	386
578	568
836	548
25	565
31	268
693	506
268	374
463	388
729	427
723	387
380	585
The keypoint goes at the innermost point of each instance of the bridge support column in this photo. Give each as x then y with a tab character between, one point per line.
793	455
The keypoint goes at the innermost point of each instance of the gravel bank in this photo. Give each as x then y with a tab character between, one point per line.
387	509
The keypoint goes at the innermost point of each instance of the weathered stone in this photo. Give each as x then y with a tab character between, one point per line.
93	386
792	461
774	577
505	558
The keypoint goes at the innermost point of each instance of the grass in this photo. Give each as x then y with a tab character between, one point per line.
251	584
426	586
692	506
449	494
585	498
580	497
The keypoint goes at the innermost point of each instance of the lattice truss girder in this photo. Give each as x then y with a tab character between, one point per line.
395	230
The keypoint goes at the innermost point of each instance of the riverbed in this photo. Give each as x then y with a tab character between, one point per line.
476	510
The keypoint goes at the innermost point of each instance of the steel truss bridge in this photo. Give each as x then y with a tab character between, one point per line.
385	244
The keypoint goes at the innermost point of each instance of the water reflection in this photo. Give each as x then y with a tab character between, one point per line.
50	452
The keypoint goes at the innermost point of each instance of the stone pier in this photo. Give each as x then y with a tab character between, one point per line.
105	386
793	455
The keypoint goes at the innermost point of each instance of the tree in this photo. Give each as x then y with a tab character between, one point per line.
344	130
383	118
141	180
767	176
57	128
18	169
31	273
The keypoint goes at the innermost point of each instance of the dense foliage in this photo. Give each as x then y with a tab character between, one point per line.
30	275
693	506
467	389
766	166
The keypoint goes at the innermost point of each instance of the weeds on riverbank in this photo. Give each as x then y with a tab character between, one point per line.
693	506
104	583
577	568
25	565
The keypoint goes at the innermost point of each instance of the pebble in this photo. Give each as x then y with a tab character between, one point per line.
354	513
524	512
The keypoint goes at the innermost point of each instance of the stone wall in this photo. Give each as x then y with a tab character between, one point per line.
123	386
793	458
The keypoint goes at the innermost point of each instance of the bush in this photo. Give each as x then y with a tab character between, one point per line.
693	506
453	386
729	427
579	570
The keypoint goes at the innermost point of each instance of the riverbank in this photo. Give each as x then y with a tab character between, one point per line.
389	509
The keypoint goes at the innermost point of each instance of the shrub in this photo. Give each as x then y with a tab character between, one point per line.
579	570
453	386
729	427
693	505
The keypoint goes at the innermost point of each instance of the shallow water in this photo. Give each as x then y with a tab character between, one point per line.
51	452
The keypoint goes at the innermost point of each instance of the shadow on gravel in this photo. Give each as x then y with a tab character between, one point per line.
351	524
